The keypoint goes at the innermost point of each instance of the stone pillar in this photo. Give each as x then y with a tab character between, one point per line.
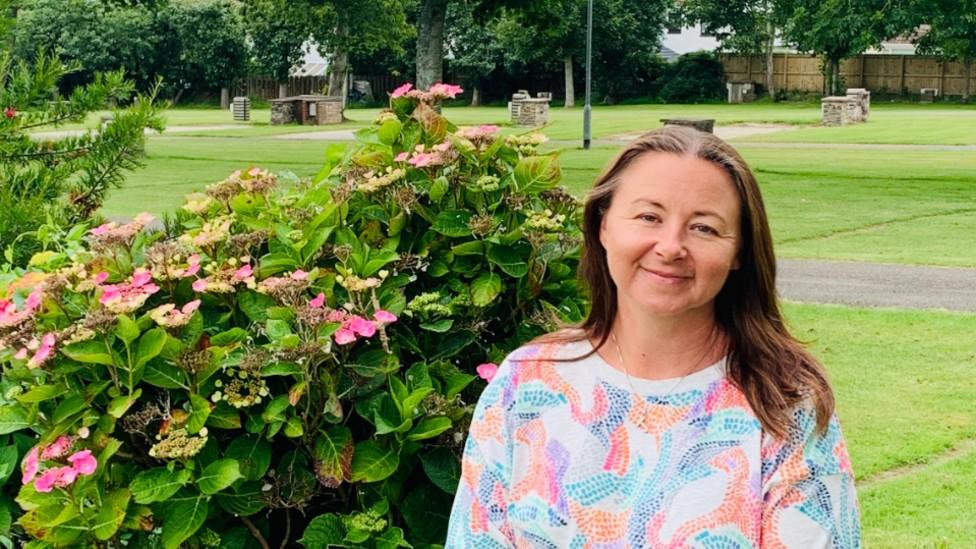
282	112
838	110
329	110
863	99
533	112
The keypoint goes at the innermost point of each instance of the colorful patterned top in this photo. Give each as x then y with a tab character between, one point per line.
571	455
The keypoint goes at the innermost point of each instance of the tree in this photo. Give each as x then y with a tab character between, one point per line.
951	33
837	29
475	50
747	27
63	180
431	21
278	30
204	46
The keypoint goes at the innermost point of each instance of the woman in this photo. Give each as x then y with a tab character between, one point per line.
682	413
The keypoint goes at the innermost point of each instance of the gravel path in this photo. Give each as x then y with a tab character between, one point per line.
877	285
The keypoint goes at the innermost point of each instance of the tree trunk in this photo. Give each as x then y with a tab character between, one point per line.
282	90
430	43
568	72
338	72
967	70
224	98
768	64
476	95
835	77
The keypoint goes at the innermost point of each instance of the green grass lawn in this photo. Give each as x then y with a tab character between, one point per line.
905	393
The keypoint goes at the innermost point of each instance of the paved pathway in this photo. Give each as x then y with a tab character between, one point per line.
60	134
877	285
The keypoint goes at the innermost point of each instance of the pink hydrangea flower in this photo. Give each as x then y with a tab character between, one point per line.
402	90
361	326
129	296
104	228
21	354
83	462
43	352
344	336
244	272
385	317
45	482
31	465
423	160
200	285
64	476
402	157
487	370
100	278
58	448
318	302
299	275
448	91
193	265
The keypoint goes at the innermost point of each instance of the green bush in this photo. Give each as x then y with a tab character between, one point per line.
694	78
276	355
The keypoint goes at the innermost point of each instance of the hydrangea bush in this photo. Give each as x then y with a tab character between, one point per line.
302	355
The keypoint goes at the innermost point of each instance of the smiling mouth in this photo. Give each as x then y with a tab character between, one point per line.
671	278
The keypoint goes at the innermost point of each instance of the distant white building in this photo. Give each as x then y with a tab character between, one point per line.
681	40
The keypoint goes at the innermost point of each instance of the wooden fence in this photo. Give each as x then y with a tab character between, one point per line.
894	74
265	87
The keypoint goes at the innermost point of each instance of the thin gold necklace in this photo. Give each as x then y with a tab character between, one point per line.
620	356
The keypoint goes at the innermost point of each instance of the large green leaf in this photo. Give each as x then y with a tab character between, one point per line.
372	463
324	531
255	305
442	468
333	455
127	329
41	393
534	174
182	518
511	259
150	345
244	500
253	453
163	375
200	411
428	428
453	223
69	407
157	484
110	516
485	289
218	475
89	352
8	464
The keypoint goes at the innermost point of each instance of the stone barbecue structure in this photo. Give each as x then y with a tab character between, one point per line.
841	110
528	111
307	110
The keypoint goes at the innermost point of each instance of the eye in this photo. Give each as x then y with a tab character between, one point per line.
704	229
649	217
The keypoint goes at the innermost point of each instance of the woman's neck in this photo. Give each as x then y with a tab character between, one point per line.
664	347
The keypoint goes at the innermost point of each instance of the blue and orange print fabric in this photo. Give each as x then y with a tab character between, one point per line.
577	455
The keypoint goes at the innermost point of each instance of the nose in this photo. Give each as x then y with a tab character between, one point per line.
670	245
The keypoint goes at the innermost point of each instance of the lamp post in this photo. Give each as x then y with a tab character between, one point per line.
589	55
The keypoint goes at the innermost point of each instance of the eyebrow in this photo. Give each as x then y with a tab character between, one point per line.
696	213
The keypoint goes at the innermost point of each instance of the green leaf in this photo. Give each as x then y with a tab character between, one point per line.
473	247
277	329
69	407
255	305
150	345
110	516
442	468
440	326
182	518
438	189
120	405
509	259
89	352
218	475
253	454
373	463
199	414
391	539
164	375
158	484
234	335
428	428
126	329
275	409
224	417
8	464
485	289
245	500
534	174
453	223
280	369
294	428
41	393
389	131
333	455
324	531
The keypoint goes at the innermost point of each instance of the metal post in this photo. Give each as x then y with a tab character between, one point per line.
589	56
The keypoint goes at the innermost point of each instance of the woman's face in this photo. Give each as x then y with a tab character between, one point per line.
671	234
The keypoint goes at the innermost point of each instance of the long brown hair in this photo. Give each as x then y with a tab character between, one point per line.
772	368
